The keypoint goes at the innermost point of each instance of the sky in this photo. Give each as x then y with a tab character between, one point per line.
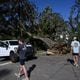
60	6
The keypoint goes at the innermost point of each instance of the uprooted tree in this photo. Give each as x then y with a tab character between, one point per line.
18	17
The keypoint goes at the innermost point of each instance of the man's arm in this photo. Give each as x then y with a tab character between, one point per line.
79	50
71	50
71	47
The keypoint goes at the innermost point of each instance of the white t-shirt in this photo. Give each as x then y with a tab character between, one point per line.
75	46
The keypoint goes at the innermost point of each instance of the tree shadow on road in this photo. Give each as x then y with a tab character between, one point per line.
70	60
5	59
31	69
31	58
4	72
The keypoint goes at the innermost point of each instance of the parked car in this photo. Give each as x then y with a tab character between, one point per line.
9	48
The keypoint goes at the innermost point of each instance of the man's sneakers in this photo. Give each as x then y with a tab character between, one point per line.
18	75
25	79
76	65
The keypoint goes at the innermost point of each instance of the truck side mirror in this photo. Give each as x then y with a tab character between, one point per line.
7	46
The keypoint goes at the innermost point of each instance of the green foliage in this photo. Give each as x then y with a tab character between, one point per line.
74	20
51	23
16	16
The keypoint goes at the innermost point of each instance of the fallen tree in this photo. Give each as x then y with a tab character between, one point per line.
59	48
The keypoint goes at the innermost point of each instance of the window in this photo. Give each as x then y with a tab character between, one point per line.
13	42
2	44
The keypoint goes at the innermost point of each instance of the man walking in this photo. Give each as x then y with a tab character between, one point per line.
22	52
75	49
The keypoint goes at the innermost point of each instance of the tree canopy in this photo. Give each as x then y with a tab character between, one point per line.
16	16
51	23
20	16
74	19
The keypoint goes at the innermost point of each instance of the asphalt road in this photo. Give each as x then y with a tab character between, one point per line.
42	68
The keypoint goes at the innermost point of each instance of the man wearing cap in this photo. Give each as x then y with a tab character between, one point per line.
75	49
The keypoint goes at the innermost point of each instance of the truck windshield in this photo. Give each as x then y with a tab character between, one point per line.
13	42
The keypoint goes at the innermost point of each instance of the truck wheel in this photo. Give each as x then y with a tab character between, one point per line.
13	57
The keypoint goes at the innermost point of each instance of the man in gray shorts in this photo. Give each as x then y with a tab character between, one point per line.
75	49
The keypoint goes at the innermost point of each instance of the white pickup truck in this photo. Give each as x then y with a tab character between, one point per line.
8	48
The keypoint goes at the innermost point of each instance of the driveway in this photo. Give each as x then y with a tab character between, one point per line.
42	68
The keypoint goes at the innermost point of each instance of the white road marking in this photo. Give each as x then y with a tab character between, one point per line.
5	63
